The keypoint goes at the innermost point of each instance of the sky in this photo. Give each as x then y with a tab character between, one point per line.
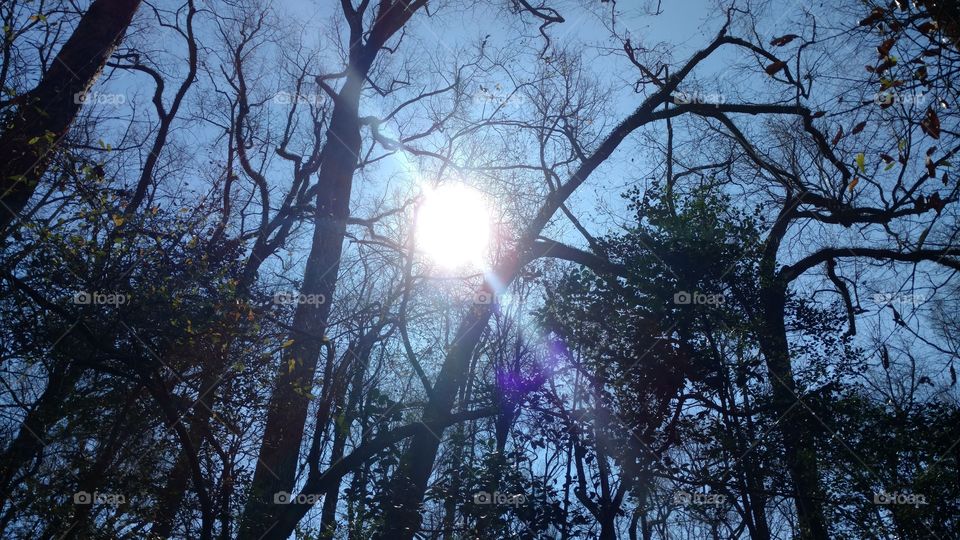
685	25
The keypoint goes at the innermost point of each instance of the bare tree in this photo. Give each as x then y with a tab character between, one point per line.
44	114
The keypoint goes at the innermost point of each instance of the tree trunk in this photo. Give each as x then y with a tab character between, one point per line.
170	498
45	113
408	485
29	440
755	500
364	347
287	410
81	523
402	519
799	450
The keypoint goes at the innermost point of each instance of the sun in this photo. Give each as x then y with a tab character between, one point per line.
453	226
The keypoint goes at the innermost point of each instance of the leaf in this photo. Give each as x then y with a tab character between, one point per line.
927	27
853	183
884	48
861	163
875	16
931	123
936	203
953	376
886	64
33	141
858	128
118	220
945	179
885	357
783	40
773	68
287	343
920	203
897	318
837	137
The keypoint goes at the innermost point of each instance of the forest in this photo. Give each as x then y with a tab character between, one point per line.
446	270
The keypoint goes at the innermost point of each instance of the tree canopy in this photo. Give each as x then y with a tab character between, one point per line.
403	269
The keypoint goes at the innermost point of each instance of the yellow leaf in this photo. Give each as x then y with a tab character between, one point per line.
861	163
286	344
118	220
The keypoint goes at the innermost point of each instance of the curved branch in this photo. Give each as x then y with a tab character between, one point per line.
943	257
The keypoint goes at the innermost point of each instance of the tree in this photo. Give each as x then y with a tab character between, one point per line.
715	300
34	129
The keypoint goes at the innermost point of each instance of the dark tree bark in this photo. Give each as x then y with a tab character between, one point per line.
799	452
29	440
408	485
359	357
755	498
45	113
170	497
287	410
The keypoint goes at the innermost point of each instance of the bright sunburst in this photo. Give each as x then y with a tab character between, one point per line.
453	226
